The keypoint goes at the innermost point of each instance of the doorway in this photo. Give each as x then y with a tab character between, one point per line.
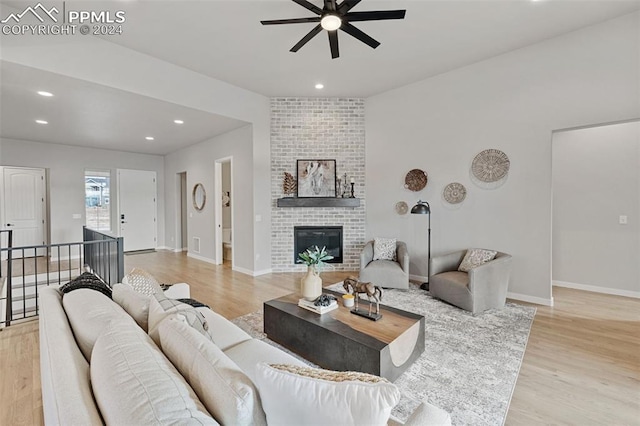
595	208
137	209
224	235
24	201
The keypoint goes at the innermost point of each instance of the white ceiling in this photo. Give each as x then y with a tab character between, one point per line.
87	114
225	40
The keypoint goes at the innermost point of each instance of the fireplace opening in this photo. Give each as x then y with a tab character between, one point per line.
330	237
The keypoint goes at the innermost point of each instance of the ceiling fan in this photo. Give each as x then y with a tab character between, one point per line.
333	17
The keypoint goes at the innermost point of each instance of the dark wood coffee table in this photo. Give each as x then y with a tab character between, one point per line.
339	340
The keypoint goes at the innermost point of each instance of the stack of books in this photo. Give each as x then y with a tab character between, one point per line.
308	304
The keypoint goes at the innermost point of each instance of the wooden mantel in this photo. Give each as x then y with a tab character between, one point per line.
317	202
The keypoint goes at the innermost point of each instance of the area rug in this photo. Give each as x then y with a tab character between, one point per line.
470	364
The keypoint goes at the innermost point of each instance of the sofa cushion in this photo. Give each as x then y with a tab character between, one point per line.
89	313
476	257
161	307
223	332
384	248
66	389
313	396
135	384
248	354
224	389
134	303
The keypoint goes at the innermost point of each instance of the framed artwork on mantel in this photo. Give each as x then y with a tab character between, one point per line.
316	178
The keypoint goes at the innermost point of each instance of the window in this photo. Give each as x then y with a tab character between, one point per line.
96	199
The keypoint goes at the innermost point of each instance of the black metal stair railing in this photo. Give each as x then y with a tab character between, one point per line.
28	267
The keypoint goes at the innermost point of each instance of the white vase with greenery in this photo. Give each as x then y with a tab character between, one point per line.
311	284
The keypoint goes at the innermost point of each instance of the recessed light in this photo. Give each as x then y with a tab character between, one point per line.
43	93
149	138
178	121
319	86
42	122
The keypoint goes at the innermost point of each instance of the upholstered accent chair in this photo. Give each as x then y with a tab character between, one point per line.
482	287
385	273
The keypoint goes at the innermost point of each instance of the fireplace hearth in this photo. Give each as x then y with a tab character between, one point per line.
330	237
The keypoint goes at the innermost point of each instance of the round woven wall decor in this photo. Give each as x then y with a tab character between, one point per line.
415	180
454	193
402	207
490	165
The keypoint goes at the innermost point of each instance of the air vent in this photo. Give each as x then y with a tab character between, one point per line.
196	244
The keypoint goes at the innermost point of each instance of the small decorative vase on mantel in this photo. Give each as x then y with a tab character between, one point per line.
311	284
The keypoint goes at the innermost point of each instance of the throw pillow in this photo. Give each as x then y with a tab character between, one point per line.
162	307
476	257
384	249
229	395
136	304
142	282
312	396
87	280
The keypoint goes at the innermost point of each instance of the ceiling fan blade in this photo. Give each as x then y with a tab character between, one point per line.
312	7
354	32
333	42
375	15
330	5
311	34
291	21
347	5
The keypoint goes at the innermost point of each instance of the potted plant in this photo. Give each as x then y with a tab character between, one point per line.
314	258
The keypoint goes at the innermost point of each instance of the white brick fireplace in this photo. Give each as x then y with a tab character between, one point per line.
317	128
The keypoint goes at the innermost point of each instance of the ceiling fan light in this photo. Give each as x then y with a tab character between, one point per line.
331	22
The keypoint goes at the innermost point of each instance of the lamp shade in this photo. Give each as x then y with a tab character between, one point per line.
421	208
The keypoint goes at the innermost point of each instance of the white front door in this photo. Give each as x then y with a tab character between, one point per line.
24	205
137	209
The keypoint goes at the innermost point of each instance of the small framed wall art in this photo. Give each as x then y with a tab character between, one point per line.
316	178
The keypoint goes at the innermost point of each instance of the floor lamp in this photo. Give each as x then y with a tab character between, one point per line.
423	208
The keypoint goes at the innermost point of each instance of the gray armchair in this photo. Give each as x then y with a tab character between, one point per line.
385	273
483	287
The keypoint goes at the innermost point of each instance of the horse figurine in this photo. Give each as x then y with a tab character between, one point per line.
358	287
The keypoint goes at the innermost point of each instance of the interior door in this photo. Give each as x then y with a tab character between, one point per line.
24	205
137	209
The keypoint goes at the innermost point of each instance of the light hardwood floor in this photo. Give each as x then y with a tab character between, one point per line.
581	367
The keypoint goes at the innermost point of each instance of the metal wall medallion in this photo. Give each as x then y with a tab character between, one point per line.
402	207
454	193
490	165
415	180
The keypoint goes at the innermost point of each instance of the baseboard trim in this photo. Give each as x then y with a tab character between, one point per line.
250	272
530	299
597	289
420	278
202	258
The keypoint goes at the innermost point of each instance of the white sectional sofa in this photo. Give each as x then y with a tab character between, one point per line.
100	366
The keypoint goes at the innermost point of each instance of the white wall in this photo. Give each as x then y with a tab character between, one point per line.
198	161
66	166
511	102
596	179
99	61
